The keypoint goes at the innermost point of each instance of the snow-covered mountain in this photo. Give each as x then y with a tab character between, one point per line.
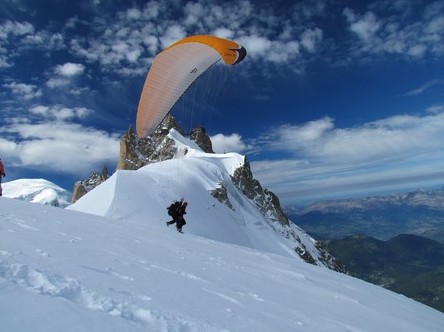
63	270
217	209
37	191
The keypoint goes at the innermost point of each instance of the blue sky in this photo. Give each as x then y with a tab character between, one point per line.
334	99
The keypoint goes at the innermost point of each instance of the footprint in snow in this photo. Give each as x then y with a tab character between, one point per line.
43	253
118	275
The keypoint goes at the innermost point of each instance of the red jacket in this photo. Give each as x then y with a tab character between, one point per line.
2	169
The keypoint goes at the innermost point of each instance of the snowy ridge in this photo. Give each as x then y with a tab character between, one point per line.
37	191
71	271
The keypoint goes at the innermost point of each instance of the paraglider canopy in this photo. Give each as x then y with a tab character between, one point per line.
174	69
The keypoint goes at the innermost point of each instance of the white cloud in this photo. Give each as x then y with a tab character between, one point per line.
172	34
139	33
133	14
57	82
121	41
386	31
25	91
69	69
257	46
394	137
65	75
59	113
4	61
364	27
435	109
223	33
13	28
54	143
228	143
82	148
311	38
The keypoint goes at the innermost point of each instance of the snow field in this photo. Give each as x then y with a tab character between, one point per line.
85	272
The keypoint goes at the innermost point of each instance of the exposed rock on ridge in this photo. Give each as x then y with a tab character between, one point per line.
136	152
199	135
92	181
267	202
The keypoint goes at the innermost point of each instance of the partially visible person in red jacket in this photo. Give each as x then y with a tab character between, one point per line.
2	175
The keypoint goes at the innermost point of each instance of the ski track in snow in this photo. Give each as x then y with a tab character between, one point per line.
72	290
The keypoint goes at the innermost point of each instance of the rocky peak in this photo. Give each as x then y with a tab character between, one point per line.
199	135
92	181
136	152
267	202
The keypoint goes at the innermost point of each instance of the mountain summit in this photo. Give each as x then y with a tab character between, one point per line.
37	191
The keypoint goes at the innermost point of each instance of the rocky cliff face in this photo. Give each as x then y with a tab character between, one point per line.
268	203
92	181
136	152
199	135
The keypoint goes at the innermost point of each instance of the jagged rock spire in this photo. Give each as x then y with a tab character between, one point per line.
199	135
92	181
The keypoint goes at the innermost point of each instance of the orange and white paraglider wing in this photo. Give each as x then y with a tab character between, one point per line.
174	70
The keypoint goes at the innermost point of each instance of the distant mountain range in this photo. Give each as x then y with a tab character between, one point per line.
430	199
420	212
407	264
37	191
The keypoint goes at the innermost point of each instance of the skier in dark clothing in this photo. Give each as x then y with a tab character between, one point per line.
177	210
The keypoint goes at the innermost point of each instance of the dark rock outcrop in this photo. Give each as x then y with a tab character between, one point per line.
267	202
136	152
92	181
199	135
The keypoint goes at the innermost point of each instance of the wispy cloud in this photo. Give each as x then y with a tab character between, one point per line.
384	29
425	87
25	91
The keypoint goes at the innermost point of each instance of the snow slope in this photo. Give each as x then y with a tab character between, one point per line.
37	191
64	270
